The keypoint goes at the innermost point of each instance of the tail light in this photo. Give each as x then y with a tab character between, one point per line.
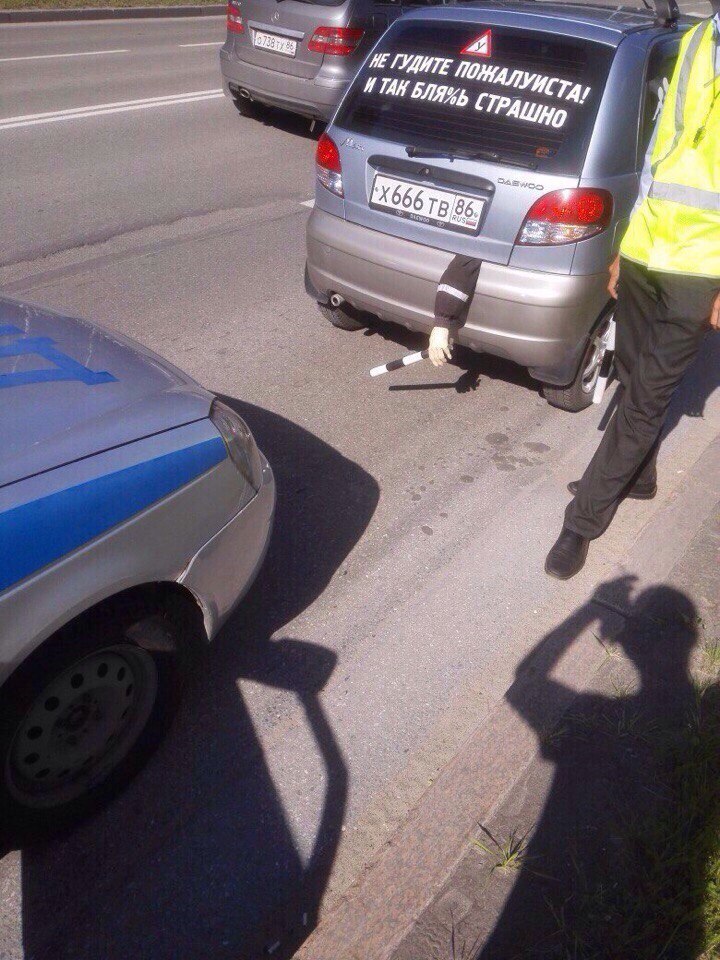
234	21
338	41
566	216
327	165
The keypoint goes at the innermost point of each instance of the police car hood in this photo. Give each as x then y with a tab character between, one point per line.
70	389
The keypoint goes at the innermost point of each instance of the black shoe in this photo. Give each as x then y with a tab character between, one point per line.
567	556
640	491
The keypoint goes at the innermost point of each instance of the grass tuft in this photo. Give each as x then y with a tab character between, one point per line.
509	853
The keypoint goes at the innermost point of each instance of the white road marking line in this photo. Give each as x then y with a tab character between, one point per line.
307	203
58	56
102	109
207	43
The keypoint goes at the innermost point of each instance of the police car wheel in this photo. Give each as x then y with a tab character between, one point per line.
81	717
579	394
344	317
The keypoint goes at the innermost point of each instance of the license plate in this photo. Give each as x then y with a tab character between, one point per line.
270	41
440	208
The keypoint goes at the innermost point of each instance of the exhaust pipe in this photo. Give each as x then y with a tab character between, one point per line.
245	94
336	300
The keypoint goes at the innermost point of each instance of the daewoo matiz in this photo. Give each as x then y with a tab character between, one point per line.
512	133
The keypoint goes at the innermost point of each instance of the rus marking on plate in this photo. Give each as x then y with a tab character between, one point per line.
63	367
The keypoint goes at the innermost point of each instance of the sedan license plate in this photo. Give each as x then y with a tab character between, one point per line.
440	208
271	41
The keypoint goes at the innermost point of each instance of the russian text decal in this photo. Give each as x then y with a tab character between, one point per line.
525	96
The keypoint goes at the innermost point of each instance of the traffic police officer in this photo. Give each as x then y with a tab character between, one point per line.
667	284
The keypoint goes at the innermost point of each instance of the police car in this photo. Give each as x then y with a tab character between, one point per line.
135	510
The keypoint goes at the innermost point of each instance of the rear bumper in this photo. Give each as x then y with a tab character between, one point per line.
315	98
222	571
538	320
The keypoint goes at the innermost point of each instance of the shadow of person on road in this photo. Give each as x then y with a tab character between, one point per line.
220	849
616	865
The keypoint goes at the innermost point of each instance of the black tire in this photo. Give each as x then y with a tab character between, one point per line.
157	667
250	108
578	395
344	317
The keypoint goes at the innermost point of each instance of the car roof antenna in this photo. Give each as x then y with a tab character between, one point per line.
666	13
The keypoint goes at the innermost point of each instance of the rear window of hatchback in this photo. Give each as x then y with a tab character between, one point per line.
519	96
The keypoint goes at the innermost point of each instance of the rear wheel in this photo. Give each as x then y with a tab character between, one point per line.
344	317
80	718
578	395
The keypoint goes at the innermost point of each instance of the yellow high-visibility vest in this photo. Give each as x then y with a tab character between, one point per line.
676	229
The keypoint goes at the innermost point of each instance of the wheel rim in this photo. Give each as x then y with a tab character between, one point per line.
82	726
594	358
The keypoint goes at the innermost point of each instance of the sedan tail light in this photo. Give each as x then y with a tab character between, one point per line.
234	21
327	165
338	41
566	216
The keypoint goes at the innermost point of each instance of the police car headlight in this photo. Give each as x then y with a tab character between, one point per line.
240	443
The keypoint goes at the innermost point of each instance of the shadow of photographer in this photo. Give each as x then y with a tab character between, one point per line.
616	867
202	856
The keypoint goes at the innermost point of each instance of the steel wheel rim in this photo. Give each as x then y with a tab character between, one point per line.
81	727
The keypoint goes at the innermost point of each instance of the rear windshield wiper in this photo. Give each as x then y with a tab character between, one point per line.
422	154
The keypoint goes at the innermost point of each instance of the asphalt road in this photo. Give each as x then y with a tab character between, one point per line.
413	513
82	181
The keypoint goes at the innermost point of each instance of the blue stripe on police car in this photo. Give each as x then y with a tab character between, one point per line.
37	533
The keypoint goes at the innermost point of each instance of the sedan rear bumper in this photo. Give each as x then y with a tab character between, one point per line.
222	571
316	98
538	320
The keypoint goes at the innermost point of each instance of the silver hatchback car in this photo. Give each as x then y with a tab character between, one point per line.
512	133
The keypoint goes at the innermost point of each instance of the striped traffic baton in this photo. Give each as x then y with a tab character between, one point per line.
402	362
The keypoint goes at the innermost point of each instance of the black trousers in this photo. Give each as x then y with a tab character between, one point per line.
661	322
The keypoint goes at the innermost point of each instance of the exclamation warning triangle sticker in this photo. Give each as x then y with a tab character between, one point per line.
479	47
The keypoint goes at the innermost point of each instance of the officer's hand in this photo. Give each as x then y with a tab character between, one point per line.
715	314
614	277
440	349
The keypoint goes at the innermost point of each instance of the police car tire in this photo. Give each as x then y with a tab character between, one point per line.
81	639
344	318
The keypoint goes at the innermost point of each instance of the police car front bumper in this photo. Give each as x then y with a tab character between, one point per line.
539	320
223	570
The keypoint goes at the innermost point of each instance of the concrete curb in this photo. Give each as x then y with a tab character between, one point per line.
110	13
417	860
